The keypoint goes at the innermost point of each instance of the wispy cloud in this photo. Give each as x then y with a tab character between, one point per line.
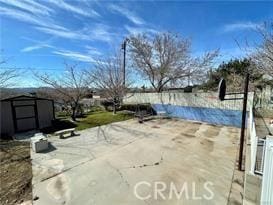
93	51
27	17
98	32
127	13
75	56
75	9
36	47
42	18
241	26
29	6
63	32
137	30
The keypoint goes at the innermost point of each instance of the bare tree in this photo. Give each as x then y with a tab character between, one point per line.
263	56
71	87
166	59
107	77
7	79
7	75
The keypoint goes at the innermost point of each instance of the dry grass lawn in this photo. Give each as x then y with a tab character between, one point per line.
15	172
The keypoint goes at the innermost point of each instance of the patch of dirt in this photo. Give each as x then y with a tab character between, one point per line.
15	172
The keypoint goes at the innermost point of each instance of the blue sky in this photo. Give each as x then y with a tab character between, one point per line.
43	34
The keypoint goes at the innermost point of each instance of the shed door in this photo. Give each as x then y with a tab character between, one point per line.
25	116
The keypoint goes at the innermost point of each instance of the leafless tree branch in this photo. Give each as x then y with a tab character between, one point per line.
166	59
107	77
263	55
7	75
71	87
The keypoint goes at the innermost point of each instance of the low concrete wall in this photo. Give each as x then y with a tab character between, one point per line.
209	115
204	107
208	100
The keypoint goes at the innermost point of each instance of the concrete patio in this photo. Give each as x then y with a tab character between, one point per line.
102	165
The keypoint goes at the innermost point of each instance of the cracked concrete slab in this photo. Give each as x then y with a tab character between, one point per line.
102	165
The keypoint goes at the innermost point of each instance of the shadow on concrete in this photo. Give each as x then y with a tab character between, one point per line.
69	136
51	148
25	136
57	125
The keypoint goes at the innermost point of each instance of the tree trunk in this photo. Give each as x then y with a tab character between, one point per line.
159	90
73	116
114	109
74	110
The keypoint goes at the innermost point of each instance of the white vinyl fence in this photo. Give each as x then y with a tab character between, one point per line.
253	141
267	183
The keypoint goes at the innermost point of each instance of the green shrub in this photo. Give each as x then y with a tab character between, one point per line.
108	105
62	114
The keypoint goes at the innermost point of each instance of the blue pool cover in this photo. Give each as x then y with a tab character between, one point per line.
209	115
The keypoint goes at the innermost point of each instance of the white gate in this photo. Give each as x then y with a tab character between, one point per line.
267	184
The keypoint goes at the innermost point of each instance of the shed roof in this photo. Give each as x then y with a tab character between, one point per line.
24	97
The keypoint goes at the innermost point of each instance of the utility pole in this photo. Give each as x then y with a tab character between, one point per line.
123	46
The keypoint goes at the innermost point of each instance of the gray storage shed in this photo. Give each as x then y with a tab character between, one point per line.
23	113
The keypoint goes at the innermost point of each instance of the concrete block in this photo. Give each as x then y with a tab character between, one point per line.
39	143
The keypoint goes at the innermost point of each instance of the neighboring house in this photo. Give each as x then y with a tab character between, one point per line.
92	99
23	113
264	95
88	102
96	96
268	95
